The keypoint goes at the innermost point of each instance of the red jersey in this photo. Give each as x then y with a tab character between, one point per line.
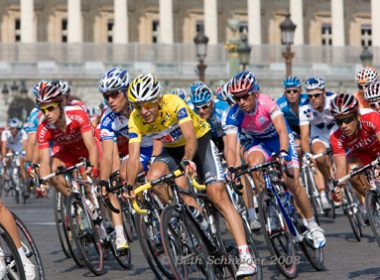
363	144
77	122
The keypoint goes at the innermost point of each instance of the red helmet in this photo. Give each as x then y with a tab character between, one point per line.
49	91
344	104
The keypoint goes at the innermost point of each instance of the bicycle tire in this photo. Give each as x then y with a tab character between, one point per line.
173	240
128	221
353	217
15	268
30	248
85	232
372	202
152	254
310	188
314	256
60	225
279	244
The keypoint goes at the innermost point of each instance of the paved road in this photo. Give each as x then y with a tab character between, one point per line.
345	257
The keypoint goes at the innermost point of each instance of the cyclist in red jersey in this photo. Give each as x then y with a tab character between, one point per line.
70	130
358	136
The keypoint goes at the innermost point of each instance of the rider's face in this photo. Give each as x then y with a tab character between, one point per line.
116	100
316	98
293	94
375	105
148	110
347	123
246	103
205	110
13	131
51	111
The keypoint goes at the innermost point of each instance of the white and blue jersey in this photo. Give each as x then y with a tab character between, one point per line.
113	125
33	120
291	117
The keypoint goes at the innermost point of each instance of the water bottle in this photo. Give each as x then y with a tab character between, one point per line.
93	213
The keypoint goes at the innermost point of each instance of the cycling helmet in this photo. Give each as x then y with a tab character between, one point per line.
65	87
344	104
37	87
179	92
195	85
49	91
292	82
144	88
201	96
243	83
114	79
372	92
366	76
315	83
14	123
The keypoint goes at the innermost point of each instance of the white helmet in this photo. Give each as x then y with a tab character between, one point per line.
144	88
114	79
372	92
65	87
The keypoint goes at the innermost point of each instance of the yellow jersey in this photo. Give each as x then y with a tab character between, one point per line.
173	112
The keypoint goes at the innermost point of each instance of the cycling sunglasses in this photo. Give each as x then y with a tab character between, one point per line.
291	91
112	95
315	95
362	87
347	120
203	107
238	98
146	105
374	105
48	108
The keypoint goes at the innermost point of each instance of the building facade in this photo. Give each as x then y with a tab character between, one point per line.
319	22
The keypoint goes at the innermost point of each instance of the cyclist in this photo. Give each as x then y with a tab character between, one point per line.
316	123
259	119
185	137
69	129
372	95
364	77
9	223
114	127
14	141
358	133
67	98
181	92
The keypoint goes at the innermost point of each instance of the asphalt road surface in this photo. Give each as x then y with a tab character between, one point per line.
345	258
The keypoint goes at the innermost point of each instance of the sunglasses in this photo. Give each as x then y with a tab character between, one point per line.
146	105
203	107
374	105
237	99
112	95
345	120
315	95
362	86
291	91
48	108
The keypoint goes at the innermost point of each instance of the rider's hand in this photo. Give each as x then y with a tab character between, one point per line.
104	186
307	157
189	167
93	172
128	192
337	195
284	157
42	190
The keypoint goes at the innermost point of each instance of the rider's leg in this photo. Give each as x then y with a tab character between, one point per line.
59	182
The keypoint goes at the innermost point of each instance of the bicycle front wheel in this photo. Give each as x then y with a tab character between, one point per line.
352	212
184	246
372	202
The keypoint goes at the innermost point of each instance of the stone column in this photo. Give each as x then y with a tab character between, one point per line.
337	16
28	32
210	11
120	27
74	21
375	8
254	22
296	14
166	21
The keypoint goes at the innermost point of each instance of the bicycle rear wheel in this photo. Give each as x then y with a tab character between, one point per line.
14	266
312	191
372	202
184	246
128	220
314	256
30	248
277	237
351	210
86	235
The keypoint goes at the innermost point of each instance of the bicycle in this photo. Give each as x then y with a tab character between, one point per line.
188	245
372	199
282	225
308	171
12	179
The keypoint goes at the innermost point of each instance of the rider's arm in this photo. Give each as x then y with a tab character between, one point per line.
106	161
305	136
187	129
341	166
89	141
280	125
44	162
3	147
230	149
157	148
132	167
30	145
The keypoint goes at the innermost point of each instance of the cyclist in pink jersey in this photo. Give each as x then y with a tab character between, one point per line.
262	130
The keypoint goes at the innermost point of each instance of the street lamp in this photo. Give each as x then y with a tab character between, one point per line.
23	90
244	51
201	41
5	92
287	28
366	56
14	86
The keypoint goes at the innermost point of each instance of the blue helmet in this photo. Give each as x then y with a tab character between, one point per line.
195	85
114	79
179	92
243	83
14	123
292	82
315	83
201	96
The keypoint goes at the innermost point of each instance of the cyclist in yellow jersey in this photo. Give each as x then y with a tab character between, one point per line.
186	138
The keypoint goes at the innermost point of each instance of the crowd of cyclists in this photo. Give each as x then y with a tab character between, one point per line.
140	129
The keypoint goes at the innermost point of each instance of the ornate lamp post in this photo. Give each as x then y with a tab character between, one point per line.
23	90
244	51
5	92
201	42
287	28
366	57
